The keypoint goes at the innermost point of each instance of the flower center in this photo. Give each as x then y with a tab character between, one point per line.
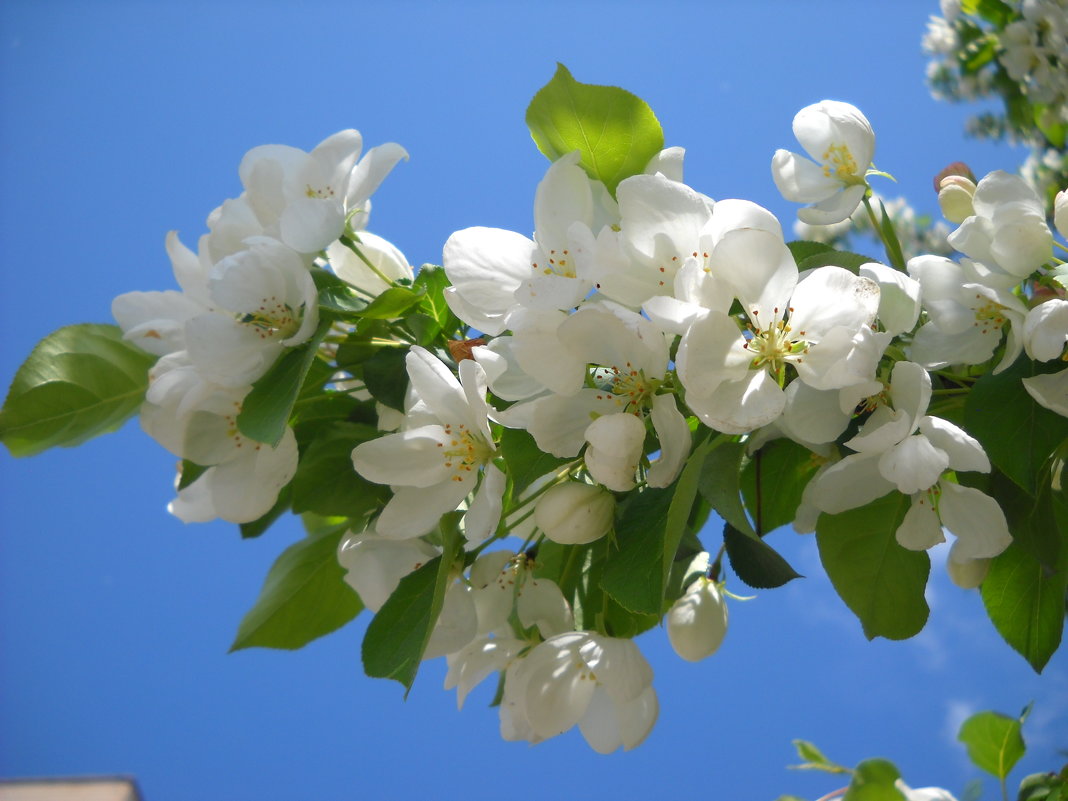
630	387
272	320
988	316
320	194
775	345
465	452
839	163
559	263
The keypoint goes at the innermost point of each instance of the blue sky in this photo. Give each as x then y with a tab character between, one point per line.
121	121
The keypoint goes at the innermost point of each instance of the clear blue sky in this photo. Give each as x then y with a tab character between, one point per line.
122	120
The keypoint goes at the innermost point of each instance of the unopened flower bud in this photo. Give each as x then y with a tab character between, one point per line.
575	513
1060	212
955	195
697	622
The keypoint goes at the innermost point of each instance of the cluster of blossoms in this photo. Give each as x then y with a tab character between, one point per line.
517	452
246	297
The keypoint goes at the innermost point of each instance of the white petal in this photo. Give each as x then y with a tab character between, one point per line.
674	435
848	484
921	529
1049	390
975	519
739	407
482	517
914	464
964	451
541	603
615	448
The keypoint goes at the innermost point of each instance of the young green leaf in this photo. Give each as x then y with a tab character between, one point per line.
836	258
266	409
814	759
879	580
397	636
615	132
874	780
994	742
304	597
633	574
1025	602
77	383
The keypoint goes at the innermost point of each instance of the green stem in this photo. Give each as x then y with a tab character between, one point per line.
886	235
353	245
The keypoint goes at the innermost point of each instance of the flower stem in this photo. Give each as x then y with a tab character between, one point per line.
353	245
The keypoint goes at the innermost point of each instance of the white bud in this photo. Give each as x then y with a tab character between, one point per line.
575	513
697	622
955	195
1060	212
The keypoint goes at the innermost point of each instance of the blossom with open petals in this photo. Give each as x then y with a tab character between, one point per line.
433	465
840	143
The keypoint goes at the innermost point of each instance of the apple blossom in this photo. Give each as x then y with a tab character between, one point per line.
697	622
433	465
840	143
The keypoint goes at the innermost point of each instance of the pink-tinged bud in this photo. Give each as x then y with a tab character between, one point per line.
955	197
575	513
958	168
697	622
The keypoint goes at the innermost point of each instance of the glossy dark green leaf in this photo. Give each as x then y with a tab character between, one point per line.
879	580
304	597
77	383
633	575
615	131
756	563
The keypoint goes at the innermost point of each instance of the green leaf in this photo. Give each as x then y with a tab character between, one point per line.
1025	601
814	759
304	597
341	300
720	481
879	580
266	409
633	574
526	462
615	132
836	258
802	249
188	472
773	481
1017	434
649	530
893	247
873	780
397	636
392	303
994	741
433	281
77	383
756	563
281	506
326	482
385	375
